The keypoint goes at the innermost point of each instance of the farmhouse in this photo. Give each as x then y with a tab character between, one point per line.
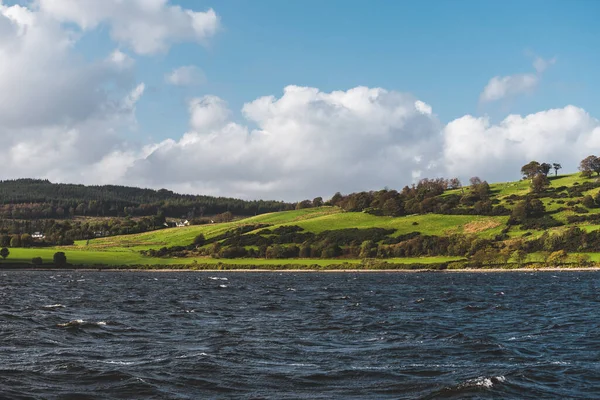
37	235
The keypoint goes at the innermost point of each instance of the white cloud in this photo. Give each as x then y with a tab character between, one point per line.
59	113
120	59
422	107
473	146
541	65
501	87
186	76
307	143
146	26
66	121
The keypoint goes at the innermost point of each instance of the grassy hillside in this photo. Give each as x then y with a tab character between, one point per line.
563	200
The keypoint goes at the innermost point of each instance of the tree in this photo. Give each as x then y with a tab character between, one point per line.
556	167
519	256
4	240
366	249
589	165
528	208
454	183
199	240
303	204
59	259
336	199
317	202
475	181
530	169
15	241
583	260
392	207
545	168
588	201
26	240
557	257
227	216
4	253
539	183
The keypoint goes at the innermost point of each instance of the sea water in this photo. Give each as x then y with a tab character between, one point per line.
191	335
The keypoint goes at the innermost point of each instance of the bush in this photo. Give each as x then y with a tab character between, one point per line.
60	259
199	240
37	261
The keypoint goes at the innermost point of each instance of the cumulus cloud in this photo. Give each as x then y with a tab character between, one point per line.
68	120
146	26
306	143
186	76
501	87
58	112
473	146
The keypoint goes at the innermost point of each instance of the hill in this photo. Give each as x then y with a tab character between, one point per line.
481	225
35	199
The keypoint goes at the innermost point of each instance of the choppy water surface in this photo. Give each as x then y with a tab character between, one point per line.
299	335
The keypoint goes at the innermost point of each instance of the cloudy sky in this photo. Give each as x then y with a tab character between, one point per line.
290	100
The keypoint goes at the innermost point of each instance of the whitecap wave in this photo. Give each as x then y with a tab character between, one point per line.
485	382
80	323
51	306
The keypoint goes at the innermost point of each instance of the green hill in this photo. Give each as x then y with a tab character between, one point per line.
508	224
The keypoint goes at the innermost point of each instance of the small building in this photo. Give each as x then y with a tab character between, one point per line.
38	235
182	223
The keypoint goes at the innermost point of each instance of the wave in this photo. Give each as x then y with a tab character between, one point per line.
81	323
53	306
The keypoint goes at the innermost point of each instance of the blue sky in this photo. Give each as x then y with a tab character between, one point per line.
86	91
444	52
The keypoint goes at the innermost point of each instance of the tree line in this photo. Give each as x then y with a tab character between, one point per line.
38	199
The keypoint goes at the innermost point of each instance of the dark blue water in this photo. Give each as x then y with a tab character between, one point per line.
299	335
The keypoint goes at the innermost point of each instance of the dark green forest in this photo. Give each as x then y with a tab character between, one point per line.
38	199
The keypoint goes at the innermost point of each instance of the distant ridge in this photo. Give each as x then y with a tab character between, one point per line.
46	199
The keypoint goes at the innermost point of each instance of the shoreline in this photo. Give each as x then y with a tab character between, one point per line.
464	270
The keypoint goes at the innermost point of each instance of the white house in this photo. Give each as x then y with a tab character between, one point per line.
182	223
37	235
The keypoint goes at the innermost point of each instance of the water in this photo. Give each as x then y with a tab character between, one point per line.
80	335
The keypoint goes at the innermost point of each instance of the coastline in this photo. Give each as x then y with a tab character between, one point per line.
411	271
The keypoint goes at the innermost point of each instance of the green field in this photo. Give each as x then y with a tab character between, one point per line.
123	258
125	249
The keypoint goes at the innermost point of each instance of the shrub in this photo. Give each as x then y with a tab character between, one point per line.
60	259
37	261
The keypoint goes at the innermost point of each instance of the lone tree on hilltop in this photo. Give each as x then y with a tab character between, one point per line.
589	165
4	252
556	167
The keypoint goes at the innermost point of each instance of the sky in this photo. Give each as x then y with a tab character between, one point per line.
289	100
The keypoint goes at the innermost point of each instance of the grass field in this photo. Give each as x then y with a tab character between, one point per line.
78	257
125	249
312	220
